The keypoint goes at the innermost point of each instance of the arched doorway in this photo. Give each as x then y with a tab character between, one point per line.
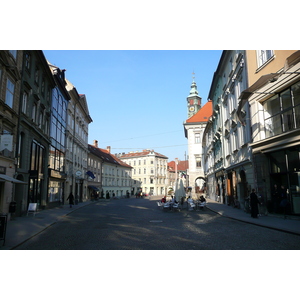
200	185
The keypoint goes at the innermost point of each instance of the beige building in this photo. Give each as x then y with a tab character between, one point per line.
149	172
273	96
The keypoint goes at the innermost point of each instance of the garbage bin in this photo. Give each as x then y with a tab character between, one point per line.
12	207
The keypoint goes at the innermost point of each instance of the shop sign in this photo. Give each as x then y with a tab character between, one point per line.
6	141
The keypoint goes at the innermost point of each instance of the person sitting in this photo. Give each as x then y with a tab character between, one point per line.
164	200
202	199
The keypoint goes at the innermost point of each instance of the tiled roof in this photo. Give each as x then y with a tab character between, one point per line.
142	153
203	114
182	165
106	156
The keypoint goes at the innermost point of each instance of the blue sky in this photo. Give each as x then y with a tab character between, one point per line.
137	98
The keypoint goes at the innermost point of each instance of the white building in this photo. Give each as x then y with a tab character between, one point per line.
116	174
77	144
194	127
149	172
231	154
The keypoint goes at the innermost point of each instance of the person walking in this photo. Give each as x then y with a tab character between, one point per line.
71	199
254	204
275	199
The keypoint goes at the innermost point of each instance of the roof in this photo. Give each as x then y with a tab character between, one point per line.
106	156
203	114
182	165
141	154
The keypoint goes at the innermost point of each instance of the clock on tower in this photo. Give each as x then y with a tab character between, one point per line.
193	100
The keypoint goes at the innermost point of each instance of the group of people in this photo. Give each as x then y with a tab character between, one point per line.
280	203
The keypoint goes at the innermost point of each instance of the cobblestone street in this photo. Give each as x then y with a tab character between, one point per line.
138	224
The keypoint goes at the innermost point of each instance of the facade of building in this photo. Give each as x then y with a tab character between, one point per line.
34	129
57	152
94	173
77	144
115	173
11	62
274	99
149	172
227	138
194	127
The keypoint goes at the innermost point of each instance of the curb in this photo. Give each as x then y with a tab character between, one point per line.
249	222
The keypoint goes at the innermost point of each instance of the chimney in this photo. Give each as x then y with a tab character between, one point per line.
96	143
108	149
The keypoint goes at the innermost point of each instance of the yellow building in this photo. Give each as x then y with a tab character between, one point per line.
149	172
273	95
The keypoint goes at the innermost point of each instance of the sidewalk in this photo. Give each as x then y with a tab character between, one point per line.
290	224
23	228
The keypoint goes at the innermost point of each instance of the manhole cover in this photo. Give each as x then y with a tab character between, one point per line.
156	221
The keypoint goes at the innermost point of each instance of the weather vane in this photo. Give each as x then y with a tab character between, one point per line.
193	75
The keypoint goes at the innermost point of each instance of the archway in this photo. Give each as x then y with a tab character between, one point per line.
200	185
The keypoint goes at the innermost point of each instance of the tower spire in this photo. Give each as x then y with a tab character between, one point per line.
193	91
193	99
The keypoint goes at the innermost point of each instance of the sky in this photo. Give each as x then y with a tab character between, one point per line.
138	98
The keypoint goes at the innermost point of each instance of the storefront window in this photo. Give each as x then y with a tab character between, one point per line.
55	191
285	170
278	162
282	111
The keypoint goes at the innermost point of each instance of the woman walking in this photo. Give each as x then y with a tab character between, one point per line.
71	199
254	204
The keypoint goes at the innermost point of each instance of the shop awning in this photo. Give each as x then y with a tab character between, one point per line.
4	177
93	187
91	174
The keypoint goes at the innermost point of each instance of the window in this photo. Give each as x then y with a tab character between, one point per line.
20	150
24	102
36	76
282	111
13	53
198	162
9	97
27	62
34	109
197	138
43	86
263	56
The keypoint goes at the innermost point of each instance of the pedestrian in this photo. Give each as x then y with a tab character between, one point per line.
71	199
254	204
283	199
275	199
164	199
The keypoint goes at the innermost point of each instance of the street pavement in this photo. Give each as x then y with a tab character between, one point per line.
23	228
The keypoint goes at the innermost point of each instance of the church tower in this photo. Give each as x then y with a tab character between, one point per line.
193	99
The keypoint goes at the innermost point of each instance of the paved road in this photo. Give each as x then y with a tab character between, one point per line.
138	224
